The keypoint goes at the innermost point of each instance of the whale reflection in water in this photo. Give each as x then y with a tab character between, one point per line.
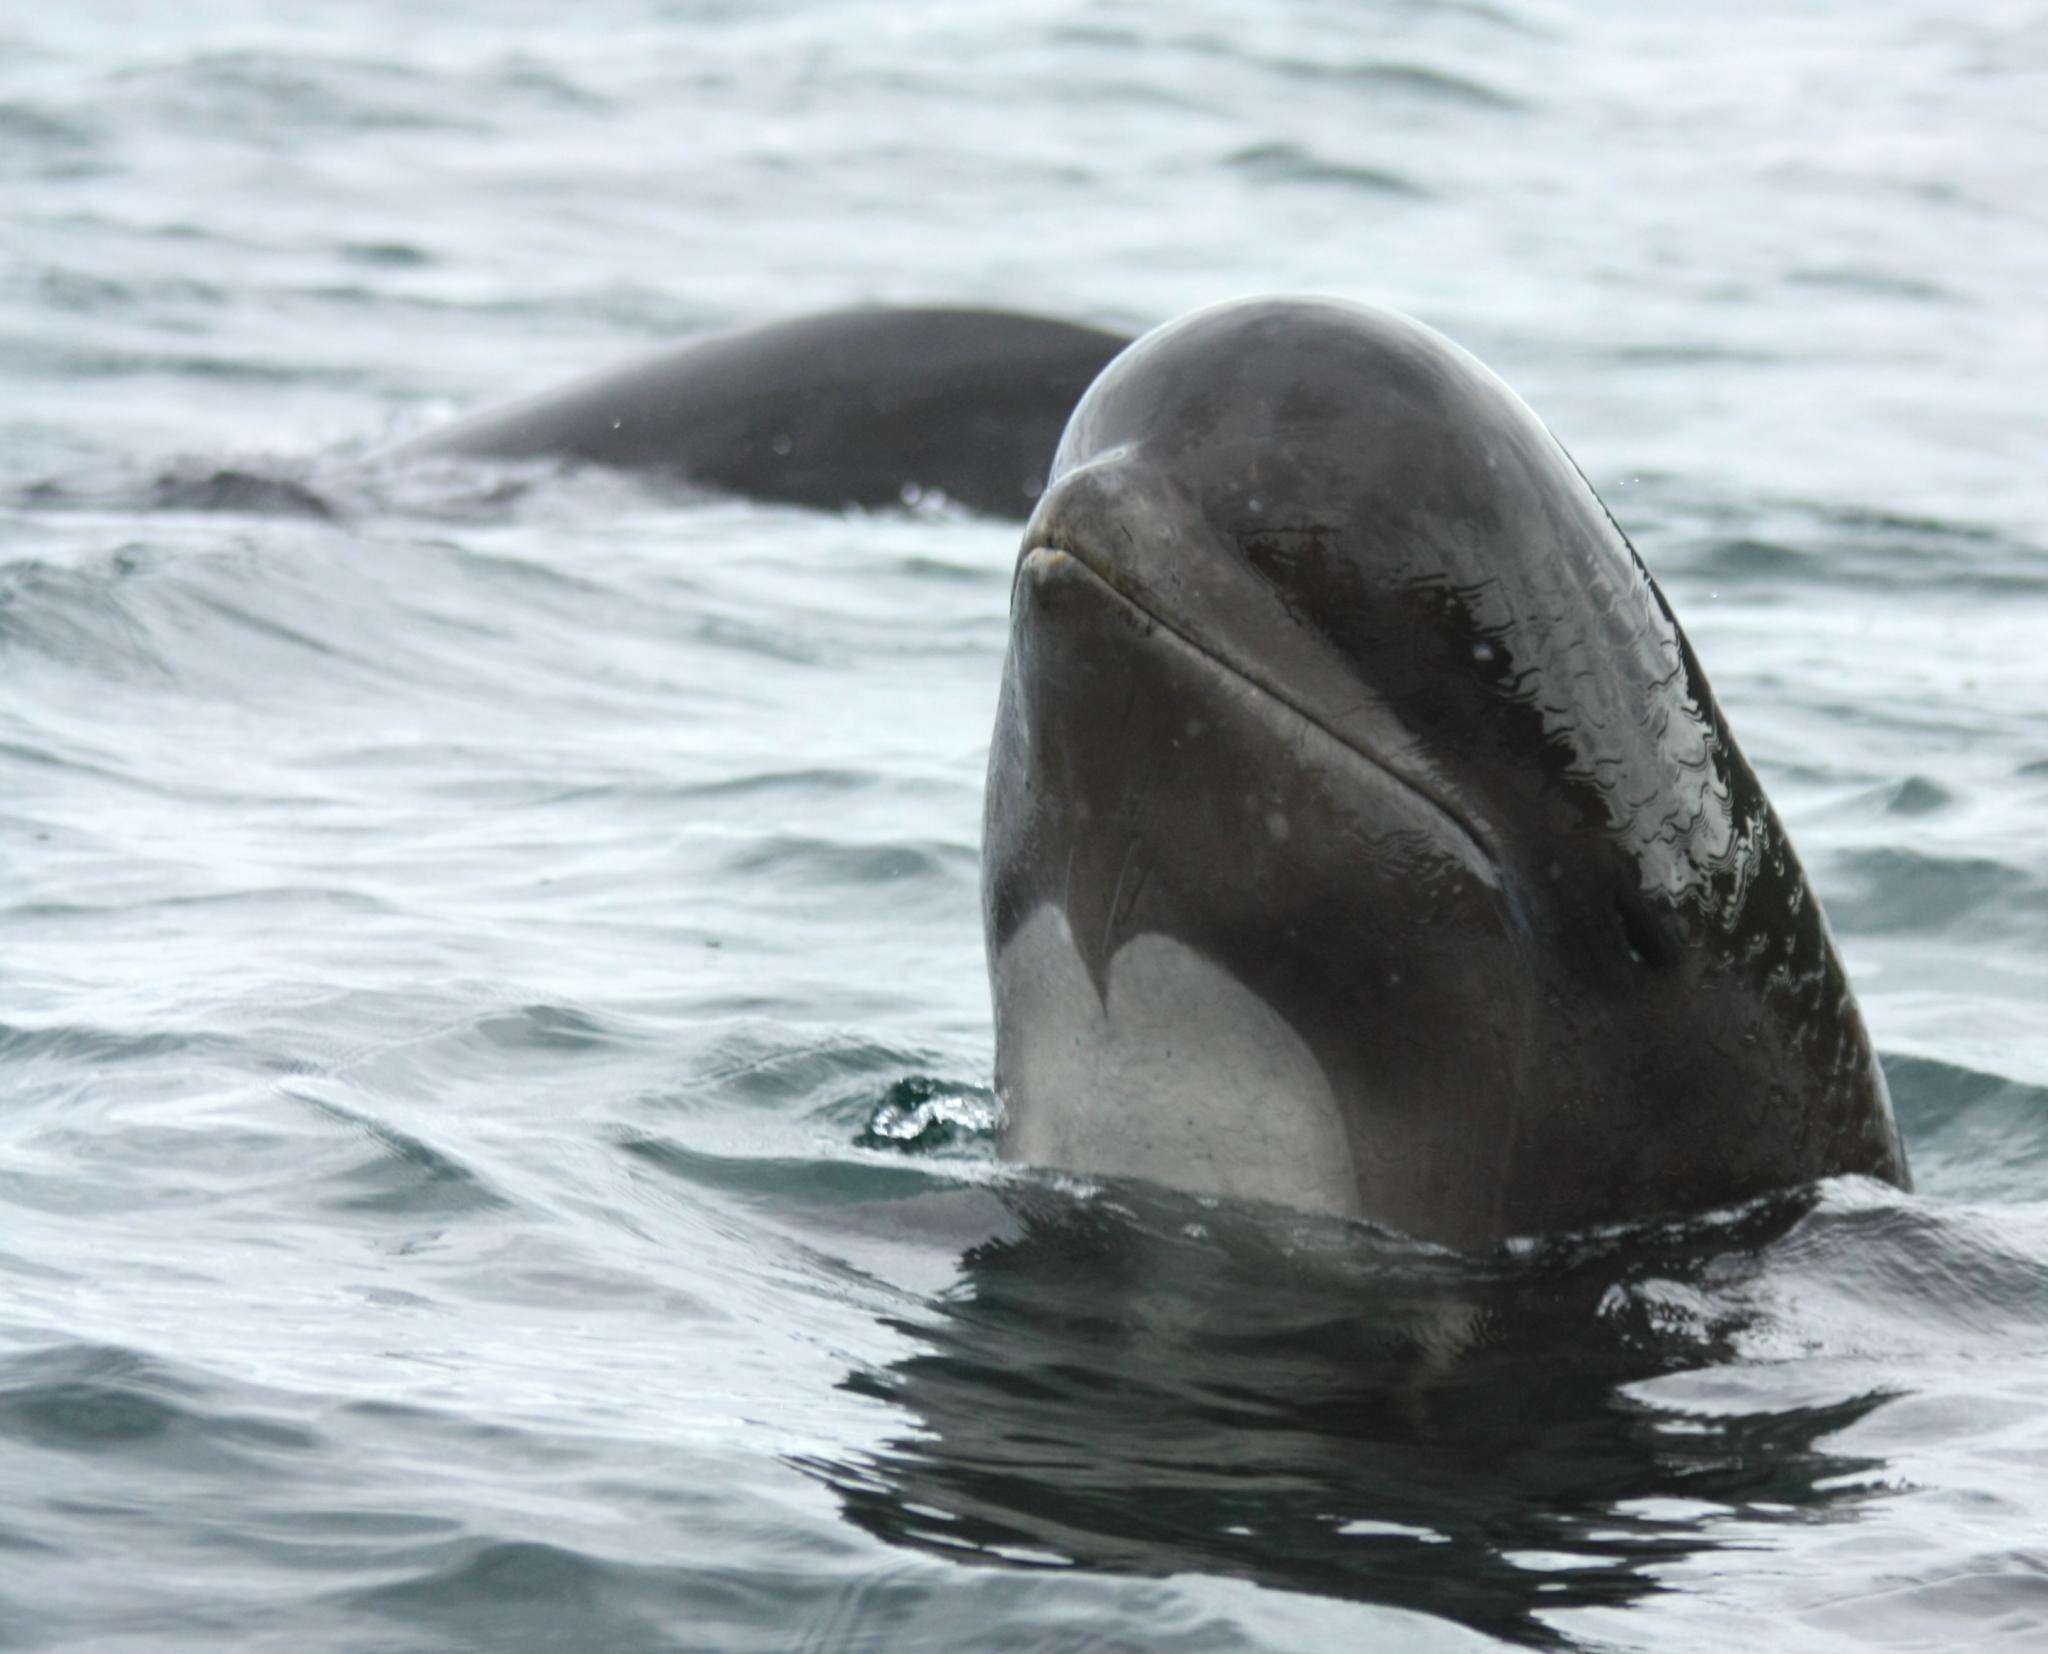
1148	1383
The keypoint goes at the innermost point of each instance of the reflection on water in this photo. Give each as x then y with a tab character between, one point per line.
1145	1384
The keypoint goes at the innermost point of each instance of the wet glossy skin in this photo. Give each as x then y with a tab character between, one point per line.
1333	684
851	407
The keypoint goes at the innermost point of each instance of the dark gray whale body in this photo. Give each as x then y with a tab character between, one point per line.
1361	833
849	408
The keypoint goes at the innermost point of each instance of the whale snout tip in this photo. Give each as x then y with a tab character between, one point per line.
1041	571
1042	563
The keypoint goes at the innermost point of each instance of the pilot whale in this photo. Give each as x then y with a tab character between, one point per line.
1361	833
866	407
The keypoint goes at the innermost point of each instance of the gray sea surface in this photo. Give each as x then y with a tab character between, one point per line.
494	1051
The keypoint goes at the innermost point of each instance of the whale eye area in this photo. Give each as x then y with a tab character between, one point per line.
1474	682
1284	556
1321	587
1648	940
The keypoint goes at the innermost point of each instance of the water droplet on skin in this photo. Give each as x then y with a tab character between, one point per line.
1256	504
618	424
910	493
783	443
1482	652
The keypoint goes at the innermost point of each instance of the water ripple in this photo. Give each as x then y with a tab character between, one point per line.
1286	162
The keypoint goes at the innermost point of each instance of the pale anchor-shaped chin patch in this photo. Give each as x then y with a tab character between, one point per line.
1181	1075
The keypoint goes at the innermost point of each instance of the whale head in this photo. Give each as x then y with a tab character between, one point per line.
1361	832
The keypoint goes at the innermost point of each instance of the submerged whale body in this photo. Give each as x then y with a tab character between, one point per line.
848	408
1361	833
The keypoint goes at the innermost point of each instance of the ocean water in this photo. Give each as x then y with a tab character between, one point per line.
494	1052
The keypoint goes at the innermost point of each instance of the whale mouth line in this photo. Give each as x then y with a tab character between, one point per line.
1466	832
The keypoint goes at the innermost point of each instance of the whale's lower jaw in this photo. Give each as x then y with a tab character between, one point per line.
1177	1074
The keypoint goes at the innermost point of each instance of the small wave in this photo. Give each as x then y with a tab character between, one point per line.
89	293
752	638
264	96
1874	283
98	1047
545	83
106	1400
1478	11
1688	353
765	1070
976	573
1873	1271
518	1593
1991	1599
1910	798
405	1176
251	621
815	786
81	618
783	1182
826	862
1973	1136
387	255
1901	551
40	142
241	622
476	492
770	783
1747	557
546	1028
1291	163
1915	530
34	124
509	1580
61	360
1916	796
1896	890
1414	80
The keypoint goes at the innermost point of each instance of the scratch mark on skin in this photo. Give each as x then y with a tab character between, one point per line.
1123	724
1138	889
1116	897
